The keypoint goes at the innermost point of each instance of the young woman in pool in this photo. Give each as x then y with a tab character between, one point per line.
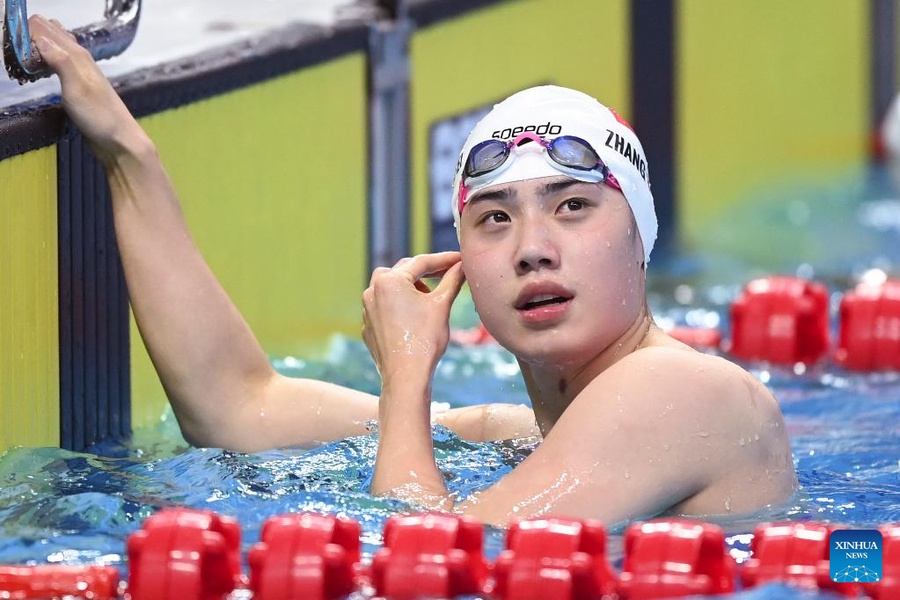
556	225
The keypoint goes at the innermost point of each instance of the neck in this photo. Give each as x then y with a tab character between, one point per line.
553	387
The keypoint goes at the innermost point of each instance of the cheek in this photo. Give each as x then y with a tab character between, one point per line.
610	267
485	278
480	270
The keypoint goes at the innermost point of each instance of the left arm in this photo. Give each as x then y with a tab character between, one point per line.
406	328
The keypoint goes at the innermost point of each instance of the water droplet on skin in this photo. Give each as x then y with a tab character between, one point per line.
703	434
755	437
666	447
727	504
627	475
742	442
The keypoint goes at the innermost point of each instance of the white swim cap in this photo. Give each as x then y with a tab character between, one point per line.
550	111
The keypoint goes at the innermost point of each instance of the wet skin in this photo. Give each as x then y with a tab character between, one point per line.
634	423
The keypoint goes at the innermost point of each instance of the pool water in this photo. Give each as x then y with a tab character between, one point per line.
72	508
65	507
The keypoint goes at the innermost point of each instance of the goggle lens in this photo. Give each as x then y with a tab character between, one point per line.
573	153
486	157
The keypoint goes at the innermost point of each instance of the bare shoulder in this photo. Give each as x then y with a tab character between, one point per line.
663	429
709	419
697	380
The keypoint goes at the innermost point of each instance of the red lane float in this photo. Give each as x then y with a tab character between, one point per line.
430	556
55	581
780	319
554	558
184	553
677	557
305	556
793	553
869	337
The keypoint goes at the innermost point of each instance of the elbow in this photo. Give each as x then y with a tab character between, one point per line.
216	435
196	435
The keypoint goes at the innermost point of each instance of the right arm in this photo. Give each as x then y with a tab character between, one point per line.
223	390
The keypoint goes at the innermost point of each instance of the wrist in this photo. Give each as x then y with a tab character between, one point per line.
129	143
405	403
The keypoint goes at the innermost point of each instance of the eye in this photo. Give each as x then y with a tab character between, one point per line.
494	216
572	205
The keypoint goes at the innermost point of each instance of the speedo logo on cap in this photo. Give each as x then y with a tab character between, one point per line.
622	146
511	132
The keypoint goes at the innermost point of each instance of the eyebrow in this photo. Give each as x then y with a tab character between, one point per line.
498	195
560	185
548	189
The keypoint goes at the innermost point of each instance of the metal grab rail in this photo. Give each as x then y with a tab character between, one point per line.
103	39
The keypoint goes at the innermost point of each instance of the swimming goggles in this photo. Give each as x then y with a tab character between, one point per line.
567	153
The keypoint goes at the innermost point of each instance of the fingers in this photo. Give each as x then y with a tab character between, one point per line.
377	273
51	29
54	42
451	282
416	268
427	265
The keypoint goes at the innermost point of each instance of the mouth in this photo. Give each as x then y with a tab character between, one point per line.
542	300
541	296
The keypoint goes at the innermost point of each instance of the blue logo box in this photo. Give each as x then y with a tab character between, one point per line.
855	555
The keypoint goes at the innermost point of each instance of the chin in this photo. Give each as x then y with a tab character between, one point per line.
555	350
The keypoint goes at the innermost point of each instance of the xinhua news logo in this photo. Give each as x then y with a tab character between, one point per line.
855	555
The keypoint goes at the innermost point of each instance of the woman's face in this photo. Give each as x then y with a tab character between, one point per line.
555	267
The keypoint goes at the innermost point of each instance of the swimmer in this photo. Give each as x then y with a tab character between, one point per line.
556	226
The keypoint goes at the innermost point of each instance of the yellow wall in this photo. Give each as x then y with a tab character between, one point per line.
29	321
273	181
483	56
767	93
273	177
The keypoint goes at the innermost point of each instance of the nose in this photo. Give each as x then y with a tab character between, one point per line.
536	248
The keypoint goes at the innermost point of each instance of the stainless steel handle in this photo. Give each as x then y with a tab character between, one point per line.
102	39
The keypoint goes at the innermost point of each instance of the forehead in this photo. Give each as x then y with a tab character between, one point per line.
538	187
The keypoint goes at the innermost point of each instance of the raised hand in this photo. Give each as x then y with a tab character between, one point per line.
87	96
406	324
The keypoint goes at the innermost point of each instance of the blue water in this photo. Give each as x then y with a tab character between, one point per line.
65	507
73	508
